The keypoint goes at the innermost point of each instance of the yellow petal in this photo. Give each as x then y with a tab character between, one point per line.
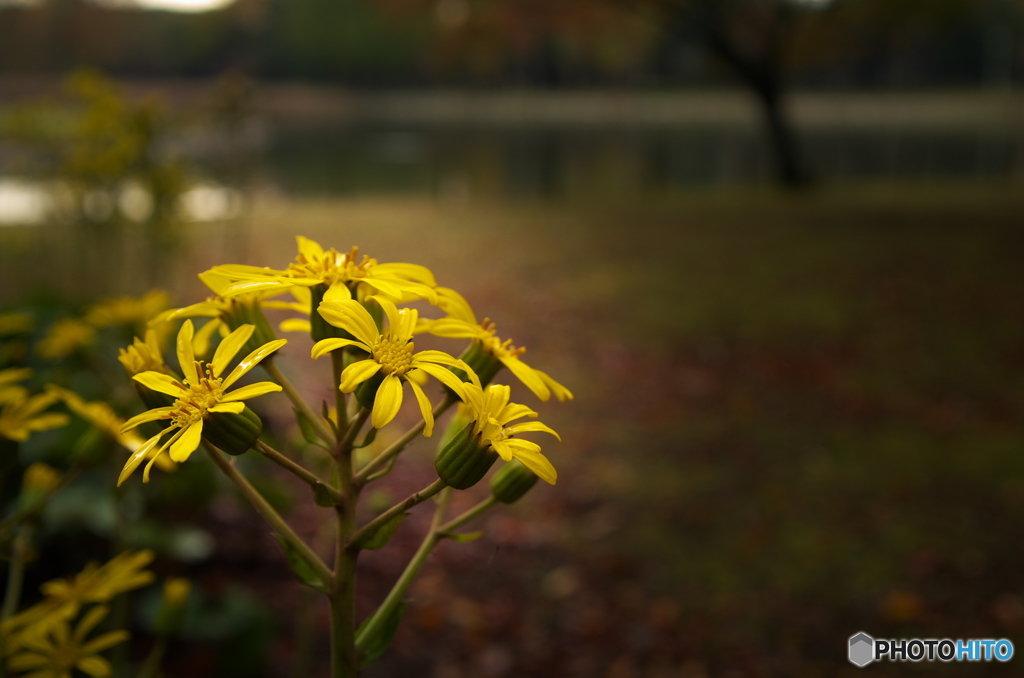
528	376
184	446
338	291
201	340
357	373
137	458
252	360
534	460
228	408
350	316
95	666
311	249
268	285
408	272
186	358
295	325
107	640
251	391
453	328
445	376
527	426
229	346
161	383
386	286
425	409
560	392
325	346
388	401
148	415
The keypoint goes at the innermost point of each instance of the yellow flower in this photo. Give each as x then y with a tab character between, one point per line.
134	311
40	478
200	394
9	388
58	651
100	415
142	356
492	413
65	337
343	274
227	313
461	323
391	354
64	597
176	590
23	414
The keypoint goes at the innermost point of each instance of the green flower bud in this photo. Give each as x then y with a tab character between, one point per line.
512	481
233	433
482	360
463	461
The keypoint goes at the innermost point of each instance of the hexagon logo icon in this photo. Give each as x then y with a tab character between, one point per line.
862	649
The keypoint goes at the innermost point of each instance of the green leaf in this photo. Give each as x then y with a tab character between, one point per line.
309	433
379	538
463	537
300	567
323	496
370	437
375	646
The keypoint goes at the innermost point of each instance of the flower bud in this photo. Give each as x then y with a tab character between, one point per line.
176	592
512	481
233	433
482	360
247	311
464	460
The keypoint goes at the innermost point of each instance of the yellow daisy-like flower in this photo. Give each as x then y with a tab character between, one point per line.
64	597
22	415
227	312
127	310
142	355
9	388
391	353
461	323
65	337
59	651
493	412
202	393
342	273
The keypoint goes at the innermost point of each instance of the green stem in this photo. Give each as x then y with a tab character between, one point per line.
410	501
394	597
321	426
269	514
301	472
469	515
156	655
340	399
396	447
16	573
353	427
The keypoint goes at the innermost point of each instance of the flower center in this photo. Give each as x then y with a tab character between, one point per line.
501	349
393	355
194	405
332	267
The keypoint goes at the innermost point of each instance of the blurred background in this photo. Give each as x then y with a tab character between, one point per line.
773	246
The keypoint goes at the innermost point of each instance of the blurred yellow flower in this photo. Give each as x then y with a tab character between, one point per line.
65	337
9	387
176	590
391	353
15	323
344	274
461	323
142	356
100	415
23	415
59	651
40	478
133	311
492	412
64	597
200	394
